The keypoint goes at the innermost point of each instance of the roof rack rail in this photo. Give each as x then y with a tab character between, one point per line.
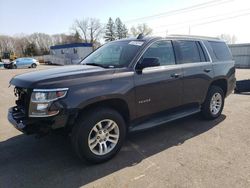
194	36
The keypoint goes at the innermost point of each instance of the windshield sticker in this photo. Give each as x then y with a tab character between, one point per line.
137	43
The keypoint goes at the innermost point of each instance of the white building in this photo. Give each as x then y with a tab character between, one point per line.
67	54
241	55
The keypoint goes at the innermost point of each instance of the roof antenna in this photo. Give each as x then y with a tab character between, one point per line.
140	36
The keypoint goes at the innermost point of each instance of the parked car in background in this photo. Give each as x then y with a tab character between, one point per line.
22	63
1	64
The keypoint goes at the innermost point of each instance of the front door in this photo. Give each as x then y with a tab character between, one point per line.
158	88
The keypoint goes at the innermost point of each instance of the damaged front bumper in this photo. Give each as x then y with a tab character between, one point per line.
27	125
17	118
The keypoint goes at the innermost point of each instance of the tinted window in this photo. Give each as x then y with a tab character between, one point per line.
161	50
188	52
221	51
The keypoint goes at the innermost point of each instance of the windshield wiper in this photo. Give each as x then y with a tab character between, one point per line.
95	64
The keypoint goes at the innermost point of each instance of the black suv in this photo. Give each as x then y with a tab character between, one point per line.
125	85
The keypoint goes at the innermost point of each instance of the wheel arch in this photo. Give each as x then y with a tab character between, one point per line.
222	83
118	104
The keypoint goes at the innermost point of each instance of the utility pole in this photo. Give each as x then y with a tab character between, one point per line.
189	30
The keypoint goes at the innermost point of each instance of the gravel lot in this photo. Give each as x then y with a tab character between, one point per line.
186	153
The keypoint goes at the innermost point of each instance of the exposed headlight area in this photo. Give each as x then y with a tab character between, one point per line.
41	104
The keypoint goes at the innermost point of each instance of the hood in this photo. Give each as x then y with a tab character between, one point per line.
60	77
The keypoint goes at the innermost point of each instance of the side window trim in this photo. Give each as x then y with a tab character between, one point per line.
174	50
201	52
206	51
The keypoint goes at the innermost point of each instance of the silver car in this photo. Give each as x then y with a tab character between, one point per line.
25	63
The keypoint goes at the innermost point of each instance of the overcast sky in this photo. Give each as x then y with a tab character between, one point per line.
176	17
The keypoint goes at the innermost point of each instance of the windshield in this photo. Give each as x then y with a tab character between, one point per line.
114	54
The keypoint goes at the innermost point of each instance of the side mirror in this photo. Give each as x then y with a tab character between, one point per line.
147	62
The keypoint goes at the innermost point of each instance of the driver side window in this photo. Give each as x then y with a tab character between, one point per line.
163	51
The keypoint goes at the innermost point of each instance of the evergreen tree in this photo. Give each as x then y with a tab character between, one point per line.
110	31
31	50
77	37
124	31
119	28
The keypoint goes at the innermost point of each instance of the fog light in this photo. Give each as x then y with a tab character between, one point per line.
42	107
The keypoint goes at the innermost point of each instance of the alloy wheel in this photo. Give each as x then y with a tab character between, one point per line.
103	137
215	103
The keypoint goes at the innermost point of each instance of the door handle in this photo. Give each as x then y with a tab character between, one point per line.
207	70
175	75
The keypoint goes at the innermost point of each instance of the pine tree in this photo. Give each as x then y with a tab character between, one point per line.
77	37
110	31
124	31
31	49
119	28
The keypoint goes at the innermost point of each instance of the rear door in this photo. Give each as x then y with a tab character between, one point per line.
197	70
158	88
28	62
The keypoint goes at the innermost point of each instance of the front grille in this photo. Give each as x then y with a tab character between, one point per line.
22	101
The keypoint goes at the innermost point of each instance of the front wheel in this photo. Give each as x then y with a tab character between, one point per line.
214	103
99	135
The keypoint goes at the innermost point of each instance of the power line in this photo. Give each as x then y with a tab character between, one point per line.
183	10
205	18
208	22
222	19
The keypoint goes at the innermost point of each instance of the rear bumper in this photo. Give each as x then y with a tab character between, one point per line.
231	85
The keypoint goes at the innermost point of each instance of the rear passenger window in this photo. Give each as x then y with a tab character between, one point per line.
220	50
189	52
161	50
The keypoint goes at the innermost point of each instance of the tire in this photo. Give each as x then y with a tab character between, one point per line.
33	65
212	107
85	131
14	66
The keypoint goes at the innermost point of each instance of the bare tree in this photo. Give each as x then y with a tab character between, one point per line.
21	43
42	42
230	39
141	28
90	29
81	26
7	43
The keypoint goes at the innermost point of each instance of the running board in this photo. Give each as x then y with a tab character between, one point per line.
164	119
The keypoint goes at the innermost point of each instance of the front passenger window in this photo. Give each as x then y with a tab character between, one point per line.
163	51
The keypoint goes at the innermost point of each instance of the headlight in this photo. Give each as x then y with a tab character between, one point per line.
42	100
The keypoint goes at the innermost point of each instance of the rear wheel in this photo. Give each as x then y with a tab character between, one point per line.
214	103
33	65
98	135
